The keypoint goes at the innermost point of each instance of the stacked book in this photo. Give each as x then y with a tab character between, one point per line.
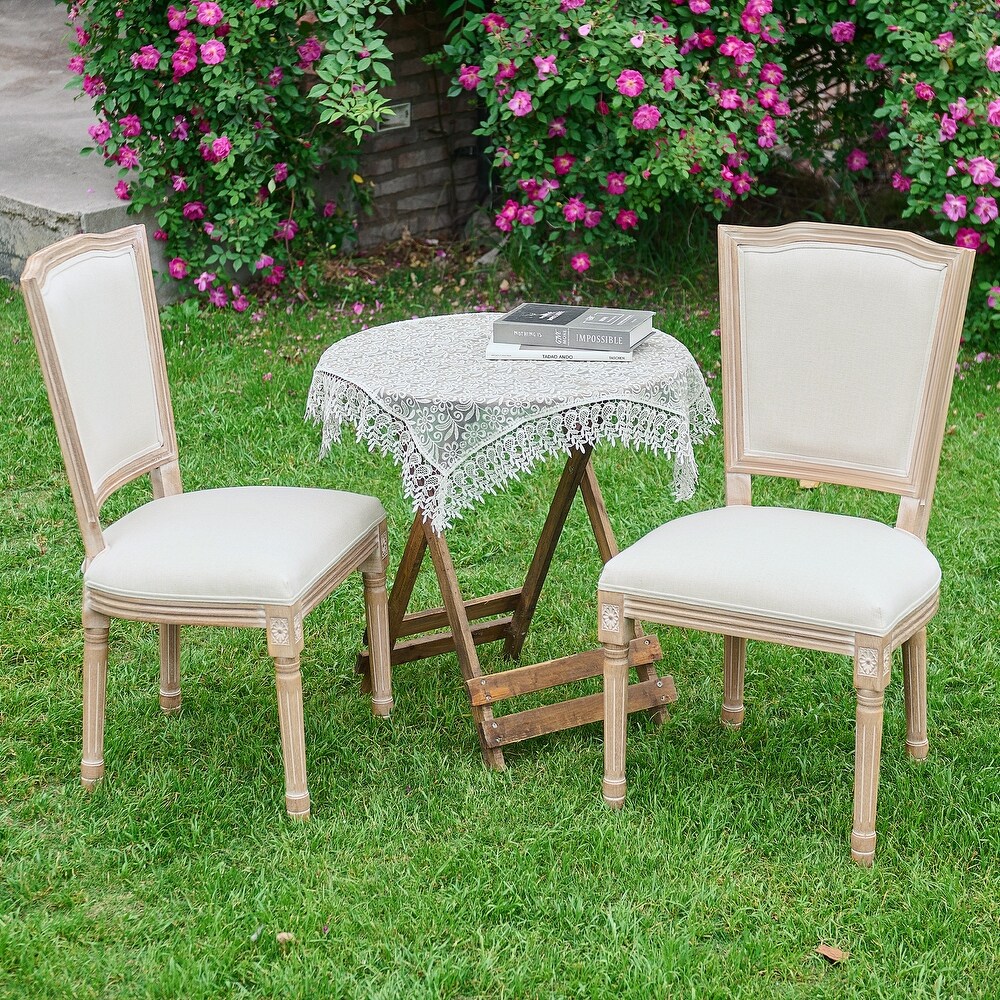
538	331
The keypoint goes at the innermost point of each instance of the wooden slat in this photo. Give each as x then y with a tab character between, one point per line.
576	712
479	607
442	642
491	688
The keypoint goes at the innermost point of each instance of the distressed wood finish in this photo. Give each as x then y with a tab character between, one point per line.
282	625
871	654
462	630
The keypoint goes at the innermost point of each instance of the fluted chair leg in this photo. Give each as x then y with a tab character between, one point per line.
733	668
288	681
170	667
377	610
615	713
867	758
915	693
95	674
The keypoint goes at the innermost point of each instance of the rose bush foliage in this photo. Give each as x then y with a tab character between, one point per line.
205	111
597	112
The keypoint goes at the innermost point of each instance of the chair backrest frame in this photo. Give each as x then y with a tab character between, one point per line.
940	273
157	454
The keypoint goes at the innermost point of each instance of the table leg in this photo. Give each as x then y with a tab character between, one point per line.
465	647
572	475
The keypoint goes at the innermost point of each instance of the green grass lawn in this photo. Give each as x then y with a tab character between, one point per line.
421	874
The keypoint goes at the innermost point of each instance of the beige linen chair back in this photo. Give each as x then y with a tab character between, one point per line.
98	338
242	556
827	376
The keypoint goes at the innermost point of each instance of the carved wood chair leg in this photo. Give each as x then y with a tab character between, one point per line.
615	714
377	612
95	674
170	667
733	669
867	758
288	681
915	693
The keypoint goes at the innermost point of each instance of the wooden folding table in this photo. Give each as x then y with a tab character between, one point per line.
461	426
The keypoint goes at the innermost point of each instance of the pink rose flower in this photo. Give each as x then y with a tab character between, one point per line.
82	38
856	160
148	57
122	191
193	210
630	83
985	209
563	163
602	106
615	183
178	182
993	112
901	182
280	172
993	297
93	86
699	6
874	62
766	132
993	59
286	230
263	261
100	133
275	76
77	64
580	262
944	41
184	61
574	210
212	52
520	103
842	32
209	13
954	206
626	219
730	99
203	280
557	128
948	129
276	276
771	73
240	302
584	29
566	5
131	126
309	51
981	170
669	78
127	157
180	131
221	147
218	297
526	215
468	77
493	23
968	238
646	117
546	66
750	23
178	268
176	19
329	207
923	91
592	218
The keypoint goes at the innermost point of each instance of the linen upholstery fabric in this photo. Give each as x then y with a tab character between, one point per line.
95	314
833	365
259	544
780	563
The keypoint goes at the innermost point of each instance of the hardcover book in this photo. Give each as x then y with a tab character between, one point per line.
589	328
499	351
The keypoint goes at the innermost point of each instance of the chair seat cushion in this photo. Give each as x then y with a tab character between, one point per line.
254	544
795	565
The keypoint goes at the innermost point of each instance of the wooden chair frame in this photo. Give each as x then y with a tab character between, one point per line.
871	654
282	624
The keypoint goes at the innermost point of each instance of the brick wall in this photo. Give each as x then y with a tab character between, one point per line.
426	176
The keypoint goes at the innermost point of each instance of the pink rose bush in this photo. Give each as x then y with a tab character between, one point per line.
202	107
599	104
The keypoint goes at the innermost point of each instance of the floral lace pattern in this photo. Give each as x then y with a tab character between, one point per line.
460	426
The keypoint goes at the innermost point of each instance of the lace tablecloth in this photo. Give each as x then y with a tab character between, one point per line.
460	426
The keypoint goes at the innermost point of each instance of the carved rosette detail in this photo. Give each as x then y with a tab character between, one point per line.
278	629
611	618
867	662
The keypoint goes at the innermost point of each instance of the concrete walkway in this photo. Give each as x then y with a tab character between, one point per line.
47	189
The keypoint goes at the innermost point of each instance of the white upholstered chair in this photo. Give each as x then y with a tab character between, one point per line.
838	351
243	556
